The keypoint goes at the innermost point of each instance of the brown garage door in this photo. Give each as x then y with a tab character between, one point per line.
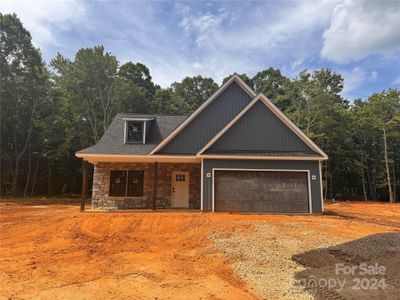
261	191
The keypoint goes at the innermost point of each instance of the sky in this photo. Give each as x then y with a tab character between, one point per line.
358	39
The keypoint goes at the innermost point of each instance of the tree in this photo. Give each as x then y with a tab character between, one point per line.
136	89
47	116
193	91
382	112
318	109
89	86
274	85
244	77
23	89
138	74
166	102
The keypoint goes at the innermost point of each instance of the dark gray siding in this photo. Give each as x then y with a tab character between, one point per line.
259	130
313	166
210	121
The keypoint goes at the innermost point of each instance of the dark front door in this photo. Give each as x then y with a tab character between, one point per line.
261	191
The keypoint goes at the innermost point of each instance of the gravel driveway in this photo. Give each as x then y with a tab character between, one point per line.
273	255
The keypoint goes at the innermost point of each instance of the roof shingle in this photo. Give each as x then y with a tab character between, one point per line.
112	142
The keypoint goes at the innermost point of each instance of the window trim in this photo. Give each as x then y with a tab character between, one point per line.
144	120
126	184
126	141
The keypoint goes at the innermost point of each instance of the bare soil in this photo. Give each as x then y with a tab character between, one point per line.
53	251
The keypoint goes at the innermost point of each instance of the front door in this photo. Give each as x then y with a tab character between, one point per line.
180	190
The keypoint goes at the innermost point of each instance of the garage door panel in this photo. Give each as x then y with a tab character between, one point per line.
261	191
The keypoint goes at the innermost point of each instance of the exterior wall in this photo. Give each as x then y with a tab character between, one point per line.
259	130
210	121
101	185
164	185
312	166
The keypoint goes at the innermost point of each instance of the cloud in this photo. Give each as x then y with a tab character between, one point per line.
289	24
361	28
44	18
373	75
296	63
215	38
396	81
203	25
353	80
240	38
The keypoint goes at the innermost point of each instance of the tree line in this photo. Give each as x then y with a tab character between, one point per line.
50	111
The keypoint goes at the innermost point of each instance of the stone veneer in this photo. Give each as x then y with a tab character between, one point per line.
101	185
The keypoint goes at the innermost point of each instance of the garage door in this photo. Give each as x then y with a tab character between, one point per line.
261	191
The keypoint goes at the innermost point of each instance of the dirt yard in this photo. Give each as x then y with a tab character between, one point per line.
52	251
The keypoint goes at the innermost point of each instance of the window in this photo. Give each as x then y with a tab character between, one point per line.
134	132
126	183
118	183
135	184
180	177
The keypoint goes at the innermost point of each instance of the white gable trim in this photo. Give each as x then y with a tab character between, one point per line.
277	113
235	78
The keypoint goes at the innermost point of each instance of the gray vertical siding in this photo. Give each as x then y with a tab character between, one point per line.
312	166
209	122
259	130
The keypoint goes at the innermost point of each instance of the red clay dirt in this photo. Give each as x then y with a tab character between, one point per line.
56	252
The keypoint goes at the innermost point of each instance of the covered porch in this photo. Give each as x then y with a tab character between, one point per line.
143	184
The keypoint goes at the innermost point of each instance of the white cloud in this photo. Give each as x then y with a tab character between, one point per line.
353	80
396	81
44	18
296	63
268	35
286	26
373	75
203	25
361	28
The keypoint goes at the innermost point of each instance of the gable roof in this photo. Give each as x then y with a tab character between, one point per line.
112	141
278	114
162	129
235	78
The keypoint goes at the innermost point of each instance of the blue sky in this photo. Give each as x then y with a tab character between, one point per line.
358	39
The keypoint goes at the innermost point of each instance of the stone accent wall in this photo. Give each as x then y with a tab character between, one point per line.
101	185
164	185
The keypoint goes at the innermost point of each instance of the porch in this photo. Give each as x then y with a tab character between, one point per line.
143	185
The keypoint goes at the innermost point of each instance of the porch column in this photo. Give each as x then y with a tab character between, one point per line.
155	180
84	184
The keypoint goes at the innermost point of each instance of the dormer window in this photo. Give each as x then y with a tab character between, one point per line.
136	129
135	132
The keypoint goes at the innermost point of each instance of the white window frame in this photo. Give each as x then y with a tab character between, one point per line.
143	120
